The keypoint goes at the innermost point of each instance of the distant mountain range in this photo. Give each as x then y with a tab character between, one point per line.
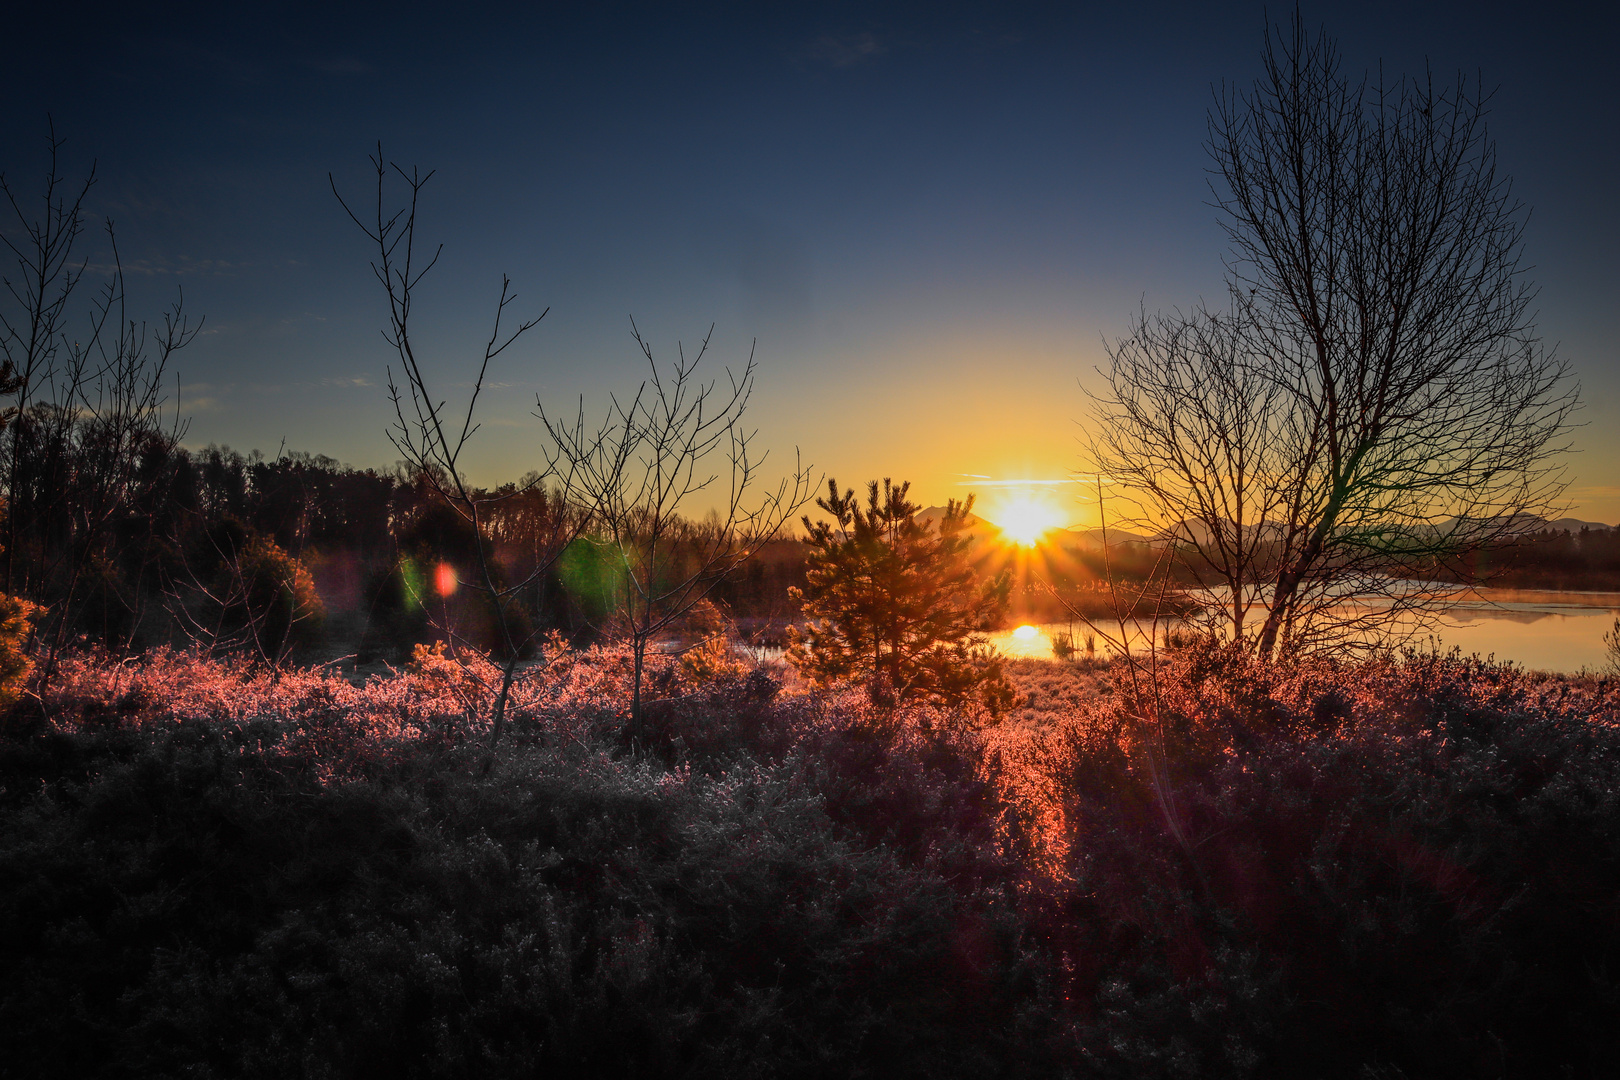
1575	525
934	514
1529	524
1094	537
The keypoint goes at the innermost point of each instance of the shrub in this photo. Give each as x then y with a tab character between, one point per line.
16	625
196	889
1405	868
711	655
897	605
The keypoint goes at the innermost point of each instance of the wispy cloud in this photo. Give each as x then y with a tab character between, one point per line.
184	266
845	51
202	397
341	65
357	380
985	481
490	385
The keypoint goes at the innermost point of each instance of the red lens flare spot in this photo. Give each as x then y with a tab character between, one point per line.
444	579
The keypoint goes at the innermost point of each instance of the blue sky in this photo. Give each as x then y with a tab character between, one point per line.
927	216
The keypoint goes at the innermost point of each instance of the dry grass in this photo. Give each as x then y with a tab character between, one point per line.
1050	691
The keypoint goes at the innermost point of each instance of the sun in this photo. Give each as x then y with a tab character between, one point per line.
1027	520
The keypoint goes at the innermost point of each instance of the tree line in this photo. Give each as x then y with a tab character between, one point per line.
198	545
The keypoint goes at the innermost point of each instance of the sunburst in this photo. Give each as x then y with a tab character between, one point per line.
1027	521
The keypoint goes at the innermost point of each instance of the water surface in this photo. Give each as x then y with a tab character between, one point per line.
1542	631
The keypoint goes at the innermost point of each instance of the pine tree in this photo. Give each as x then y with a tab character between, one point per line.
897	604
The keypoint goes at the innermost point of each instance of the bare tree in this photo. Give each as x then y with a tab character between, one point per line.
431	438
1375	402
89	393
1197	442
32	332
670	445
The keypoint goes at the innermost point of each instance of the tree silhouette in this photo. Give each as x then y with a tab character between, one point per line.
897	603
432	437
671	444
1374	404
84	449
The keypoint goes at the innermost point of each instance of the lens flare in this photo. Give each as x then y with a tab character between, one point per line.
444	579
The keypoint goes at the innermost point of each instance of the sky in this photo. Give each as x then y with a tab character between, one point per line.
925	220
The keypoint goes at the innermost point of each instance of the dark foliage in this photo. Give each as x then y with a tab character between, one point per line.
1393	870
148	572
1402	871
205	899
1547	559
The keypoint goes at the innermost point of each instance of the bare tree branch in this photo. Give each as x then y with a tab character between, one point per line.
1374	402
427	437
669	444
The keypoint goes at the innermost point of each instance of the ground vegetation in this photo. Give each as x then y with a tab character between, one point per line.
1404	868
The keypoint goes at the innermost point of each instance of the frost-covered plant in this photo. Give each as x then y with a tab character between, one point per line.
16	619
1379	869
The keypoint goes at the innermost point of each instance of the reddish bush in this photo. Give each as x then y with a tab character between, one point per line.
1225	869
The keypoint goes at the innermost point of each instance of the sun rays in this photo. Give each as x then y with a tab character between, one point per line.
1026	520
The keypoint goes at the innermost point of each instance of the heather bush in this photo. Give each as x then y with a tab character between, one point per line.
216	869
1217	867
1411	867
16	615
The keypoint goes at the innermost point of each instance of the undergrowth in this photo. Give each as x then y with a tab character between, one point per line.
1400	869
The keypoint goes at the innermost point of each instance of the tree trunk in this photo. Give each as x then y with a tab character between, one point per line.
639	647
498	714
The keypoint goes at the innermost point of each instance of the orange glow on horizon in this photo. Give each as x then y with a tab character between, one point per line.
444	579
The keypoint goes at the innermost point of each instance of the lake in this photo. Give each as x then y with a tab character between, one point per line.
1542	631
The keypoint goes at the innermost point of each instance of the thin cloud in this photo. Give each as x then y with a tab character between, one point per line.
844	52
185	266
201	397
985	481
341	65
